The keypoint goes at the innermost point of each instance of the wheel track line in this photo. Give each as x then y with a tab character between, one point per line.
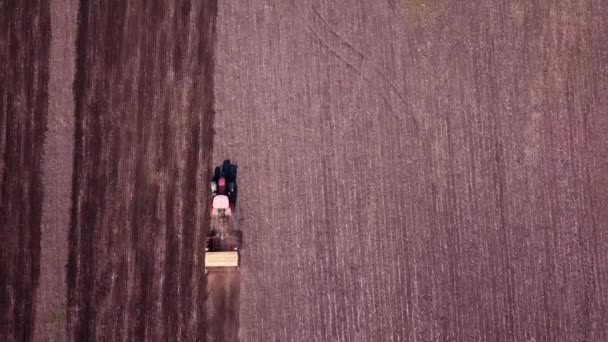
365	68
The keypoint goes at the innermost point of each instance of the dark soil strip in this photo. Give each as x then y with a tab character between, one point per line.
24	48
143	100
223	306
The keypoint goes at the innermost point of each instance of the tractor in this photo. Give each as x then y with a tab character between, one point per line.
223	242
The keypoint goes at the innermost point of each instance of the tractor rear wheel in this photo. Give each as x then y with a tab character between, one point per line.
233	170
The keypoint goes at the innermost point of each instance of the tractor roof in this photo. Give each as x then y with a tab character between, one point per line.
221	202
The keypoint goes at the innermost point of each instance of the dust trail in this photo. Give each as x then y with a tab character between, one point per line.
223	291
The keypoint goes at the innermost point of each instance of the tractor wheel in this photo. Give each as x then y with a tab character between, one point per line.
216	174
233	199
233	170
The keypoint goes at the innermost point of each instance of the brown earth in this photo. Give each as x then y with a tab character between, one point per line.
222	307
51	299
418	170
408	170
143	134
24	52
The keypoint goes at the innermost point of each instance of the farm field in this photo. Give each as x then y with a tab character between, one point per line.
417	170
143	95
24	73
408	170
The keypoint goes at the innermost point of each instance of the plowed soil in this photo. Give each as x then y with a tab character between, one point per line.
409	170
418	170
143	95
24	57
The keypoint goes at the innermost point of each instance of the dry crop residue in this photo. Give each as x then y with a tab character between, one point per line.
404	179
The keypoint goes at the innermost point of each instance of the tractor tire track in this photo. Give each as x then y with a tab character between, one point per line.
222	307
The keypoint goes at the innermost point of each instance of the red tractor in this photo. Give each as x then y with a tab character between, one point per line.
224	240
